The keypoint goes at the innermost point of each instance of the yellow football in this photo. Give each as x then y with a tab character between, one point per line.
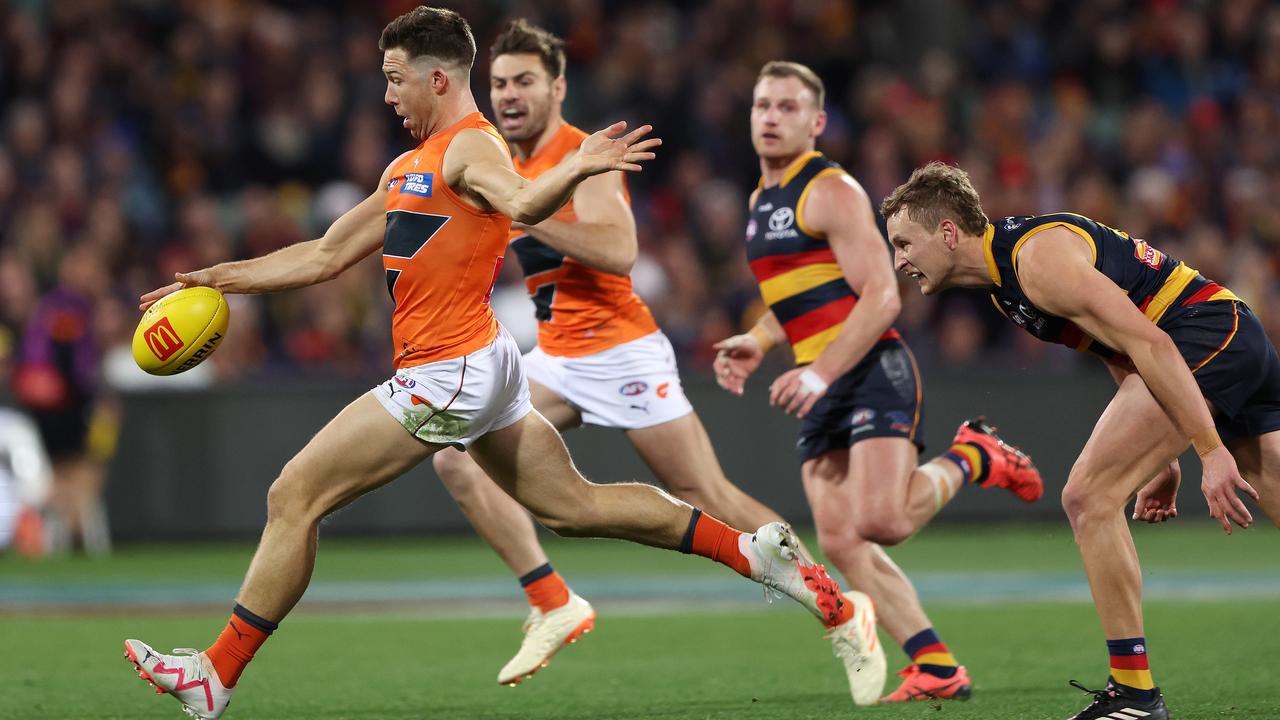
180	330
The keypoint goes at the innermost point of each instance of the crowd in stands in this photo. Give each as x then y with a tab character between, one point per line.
140	138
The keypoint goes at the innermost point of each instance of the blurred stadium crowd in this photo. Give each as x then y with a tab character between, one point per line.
141	137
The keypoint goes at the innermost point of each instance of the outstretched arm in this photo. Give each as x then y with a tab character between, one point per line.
1056	271
477	165
603	236
348	240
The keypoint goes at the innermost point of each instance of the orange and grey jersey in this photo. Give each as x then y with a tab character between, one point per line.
799	277
580	310
1154	282
441	255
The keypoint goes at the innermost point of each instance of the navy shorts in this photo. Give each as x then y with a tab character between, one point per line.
1233	362
880	397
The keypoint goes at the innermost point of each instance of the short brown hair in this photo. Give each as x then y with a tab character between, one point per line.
434	32
935	191
521	37
784	69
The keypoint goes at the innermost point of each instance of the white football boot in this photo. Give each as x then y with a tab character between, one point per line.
778	562
856	644
545	634
186	676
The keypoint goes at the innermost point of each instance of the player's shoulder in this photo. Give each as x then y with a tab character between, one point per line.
477	144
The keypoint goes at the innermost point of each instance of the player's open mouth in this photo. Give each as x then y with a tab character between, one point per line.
512	116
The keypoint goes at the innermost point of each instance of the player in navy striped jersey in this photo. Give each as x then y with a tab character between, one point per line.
1192	363
823	270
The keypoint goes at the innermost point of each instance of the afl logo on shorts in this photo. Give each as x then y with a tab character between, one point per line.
632	389
405	382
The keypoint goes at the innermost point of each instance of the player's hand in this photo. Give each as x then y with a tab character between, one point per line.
1158	500
1220	480
795	391
605	150
198	278
736	358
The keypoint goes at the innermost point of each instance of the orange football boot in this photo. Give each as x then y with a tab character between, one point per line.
919	685
1010	467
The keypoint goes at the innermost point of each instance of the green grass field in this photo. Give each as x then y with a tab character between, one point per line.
418	628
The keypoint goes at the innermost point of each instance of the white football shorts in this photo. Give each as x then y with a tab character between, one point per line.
454	402
629	386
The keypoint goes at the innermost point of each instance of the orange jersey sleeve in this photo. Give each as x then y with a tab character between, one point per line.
441	256
580	310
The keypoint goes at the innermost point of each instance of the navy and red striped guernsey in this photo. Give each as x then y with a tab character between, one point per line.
799	277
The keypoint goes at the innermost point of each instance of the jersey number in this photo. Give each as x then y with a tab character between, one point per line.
407	232
540	264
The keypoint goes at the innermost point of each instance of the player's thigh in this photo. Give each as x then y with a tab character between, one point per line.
827	487
553	406
1131	442
529	460
879	473
680	454
360	449
459	471
1258	459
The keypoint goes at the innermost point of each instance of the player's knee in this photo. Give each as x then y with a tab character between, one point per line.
285	498
563	525
884	529
454	471
578	515
1085	500
845	550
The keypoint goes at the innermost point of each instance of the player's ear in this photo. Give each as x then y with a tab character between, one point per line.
559	87
950	233
440	80
819	123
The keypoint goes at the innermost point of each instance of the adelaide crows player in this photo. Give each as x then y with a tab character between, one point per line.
824	272
1192	363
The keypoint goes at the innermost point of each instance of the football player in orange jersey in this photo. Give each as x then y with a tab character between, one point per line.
441	215
823	270
601	359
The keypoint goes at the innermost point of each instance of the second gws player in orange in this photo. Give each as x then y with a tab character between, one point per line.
601	360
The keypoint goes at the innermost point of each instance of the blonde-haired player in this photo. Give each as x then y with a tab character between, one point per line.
824	272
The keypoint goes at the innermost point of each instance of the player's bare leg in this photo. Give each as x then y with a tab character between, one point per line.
557	615
1133	441
1259	461
359	450
498	518
681	457
875	490
528	459
888	511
